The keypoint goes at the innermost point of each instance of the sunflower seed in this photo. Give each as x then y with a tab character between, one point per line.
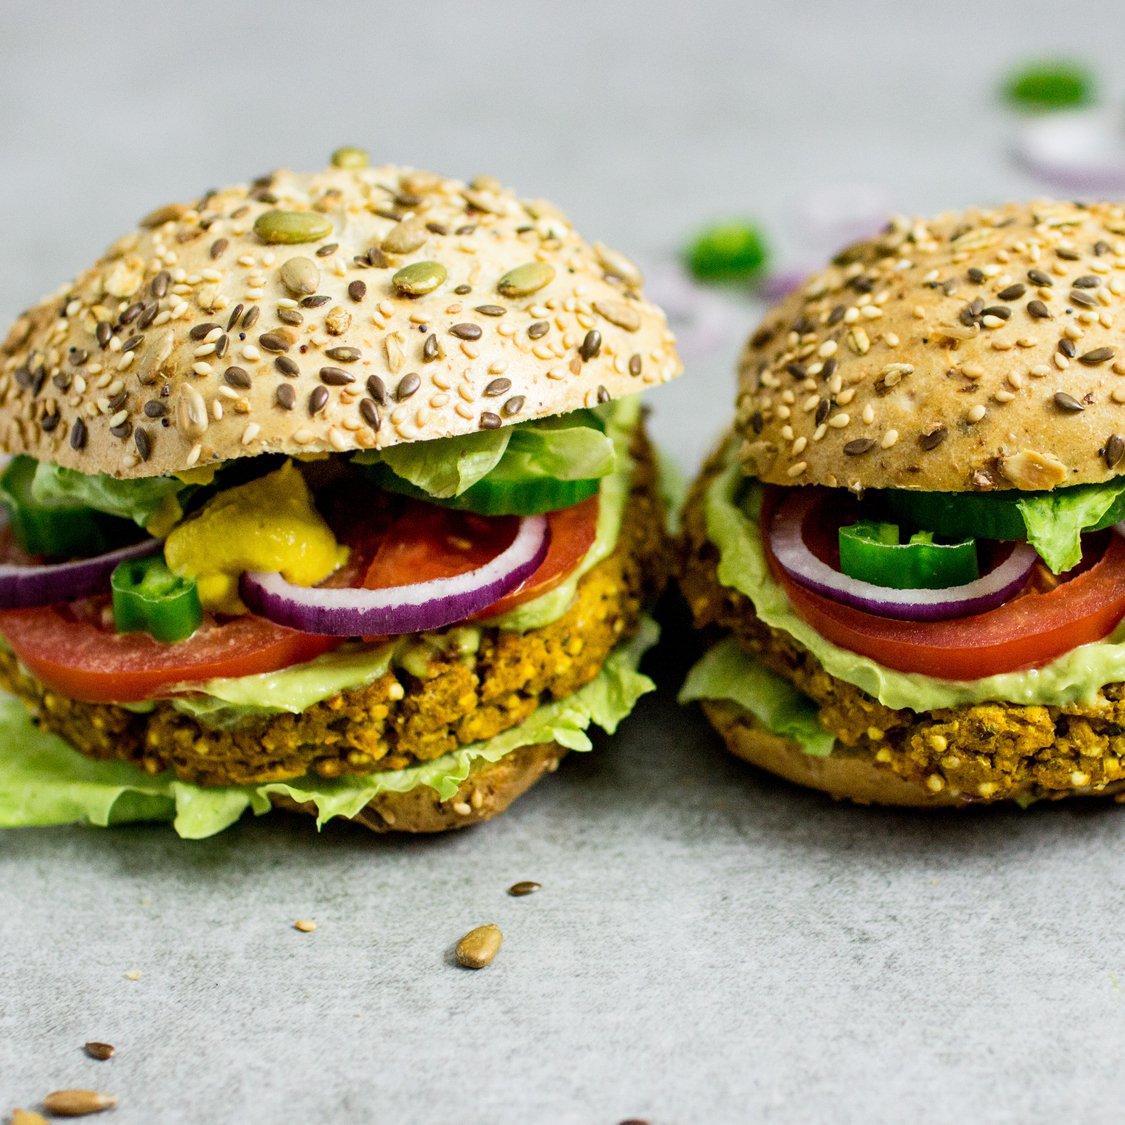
1097	355
79	1103
1114	450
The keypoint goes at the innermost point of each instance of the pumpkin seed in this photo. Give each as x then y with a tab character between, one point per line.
349	157
615	263
405	237
419	278
77	1103
169	213
525	280
292	227
300	276
479	947
619	313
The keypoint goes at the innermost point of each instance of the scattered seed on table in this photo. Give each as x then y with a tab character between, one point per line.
26	1117
478	947
77	1103
99	1051
305	925
527	887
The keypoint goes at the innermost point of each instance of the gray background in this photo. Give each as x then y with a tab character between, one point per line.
710	945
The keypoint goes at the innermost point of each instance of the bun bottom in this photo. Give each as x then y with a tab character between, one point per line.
852	775
488	790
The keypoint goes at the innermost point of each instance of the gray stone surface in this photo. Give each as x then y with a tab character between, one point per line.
709	945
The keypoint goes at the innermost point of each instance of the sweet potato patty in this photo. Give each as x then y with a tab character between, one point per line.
443	702
981	751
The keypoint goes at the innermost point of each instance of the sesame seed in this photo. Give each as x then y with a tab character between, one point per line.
797	469
976	413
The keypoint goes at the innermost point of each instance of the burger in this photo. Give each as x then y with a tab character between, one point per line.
327	491
907	552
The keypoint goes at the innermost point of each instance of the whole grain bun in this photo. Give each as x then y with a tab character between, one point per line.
979	350
200	337
851	774
485	793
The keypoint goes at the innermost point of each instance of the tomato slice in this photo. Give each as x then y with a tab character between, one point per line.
428	542
72	650
1030	630
74	654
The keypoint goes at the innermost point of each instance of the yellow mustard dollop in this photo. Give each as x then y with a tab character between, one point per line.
269	524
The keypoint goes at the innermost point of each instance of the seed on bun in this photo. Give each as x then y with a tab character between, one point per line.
353	308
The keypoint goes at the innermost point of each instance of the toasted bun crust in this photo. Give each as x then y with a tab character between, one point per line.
980	350
200	337
486	792
842	774
850	774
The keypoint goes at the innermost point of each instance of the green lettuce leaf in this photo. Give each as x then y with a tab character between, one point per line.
726	672
574	452
1055	520
44	782
448	466
152	502
731	508
565	447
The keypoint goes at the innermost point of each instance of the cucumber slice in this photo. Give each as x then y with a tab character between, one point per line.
957	515
518	485
504	492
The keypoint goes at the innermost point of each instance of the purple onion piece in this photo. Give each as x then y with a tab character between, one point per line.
416	608
24	587
1078	153
787	542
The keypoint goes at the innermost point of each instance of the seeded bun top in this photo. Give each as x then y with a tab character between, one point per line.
983	350
353	308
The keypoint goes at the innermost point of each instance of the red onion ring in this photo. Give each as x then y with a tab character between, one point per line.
24	587
415	608
787	541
